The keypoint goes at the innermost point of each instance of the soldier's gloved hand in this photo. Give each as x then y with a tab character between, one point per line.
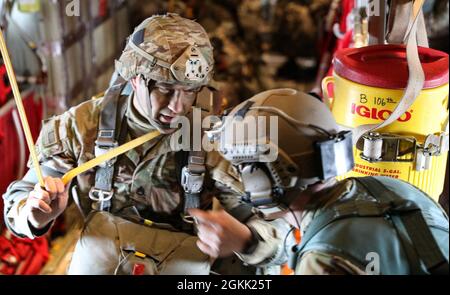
219	233
43	206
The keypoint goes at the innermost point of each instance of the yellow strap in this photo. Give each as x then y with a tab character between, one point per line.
20	108
139	254
417	7
148	222
108	155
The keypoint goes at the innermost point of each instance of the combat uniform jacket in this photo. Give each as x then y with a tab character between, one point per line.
146	178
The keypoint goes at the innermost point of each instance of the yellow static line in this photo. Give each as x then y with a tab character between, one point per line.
108	155
417	6
20	108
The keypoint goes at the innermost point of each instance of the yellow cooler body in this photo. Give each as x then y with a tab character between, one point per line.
365	93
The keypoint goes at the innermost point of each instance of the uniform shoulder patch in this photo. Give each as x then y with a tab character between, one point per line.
53	133
49	132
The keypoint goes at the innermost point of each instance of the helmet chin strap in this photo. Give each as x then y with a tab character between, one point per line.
144	102
143	98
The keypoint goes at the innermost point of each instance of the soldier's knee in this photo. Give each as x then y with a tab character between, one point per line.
97	251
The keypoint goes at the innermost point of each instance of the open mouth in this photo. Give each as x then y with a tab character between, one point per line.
165	119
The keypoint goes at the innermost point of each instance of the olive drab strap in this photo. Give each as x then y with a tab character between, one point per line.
414	224
102	192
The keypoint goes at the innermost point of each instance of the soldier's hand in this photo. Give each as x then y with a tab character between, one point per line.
219	233
45	205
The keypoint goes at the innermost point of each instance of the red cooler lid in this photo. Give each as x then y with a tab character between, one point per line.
385	66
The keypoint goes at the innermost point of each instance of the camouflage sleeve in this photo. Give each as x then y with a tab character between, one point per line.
271	235
15	197
56	155
319	263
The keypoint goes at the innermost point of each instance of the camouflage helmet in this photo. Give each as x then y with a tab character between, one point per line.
168	48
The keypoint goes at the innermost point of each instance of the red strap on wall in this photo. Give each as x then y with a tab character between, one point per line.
103	8
5	88
9	143
22	256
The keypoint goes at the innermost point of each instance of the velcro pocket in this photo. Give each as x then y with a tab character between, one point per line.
50	142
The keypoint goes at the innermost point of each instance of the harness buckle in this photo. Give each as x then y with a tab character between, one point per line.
104	143
434	145
192	183
101	198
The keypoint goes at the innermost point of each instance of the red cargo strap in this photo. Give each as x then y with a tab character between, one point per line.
22	256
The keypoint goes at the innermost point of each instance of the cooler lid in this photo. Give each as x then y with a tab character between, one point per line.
385	66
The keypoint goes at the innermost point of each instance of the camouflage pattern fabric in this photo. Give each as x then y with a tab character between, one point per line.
166	37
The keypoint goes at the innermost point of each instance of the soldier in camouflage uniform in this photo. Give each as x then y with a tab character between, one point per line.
143	227
370	225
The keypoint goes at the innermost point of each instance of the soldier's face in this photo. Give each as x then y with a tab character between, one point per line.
164	102
170	101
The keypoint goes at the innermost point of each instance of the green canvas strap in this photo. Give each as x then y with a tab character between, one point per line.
406	215
102	191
